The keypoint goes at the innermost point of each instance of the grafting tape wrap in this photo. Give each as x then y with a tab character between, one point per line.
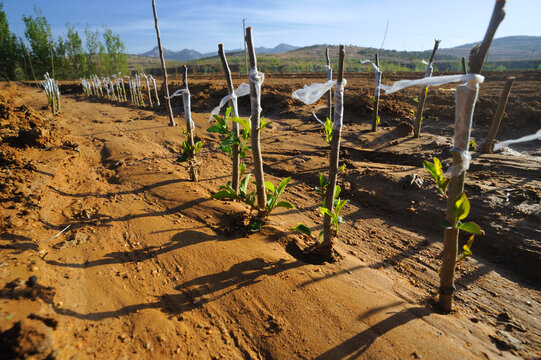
432	81
338	106
257	79
378	77
185	93
242	90
466	96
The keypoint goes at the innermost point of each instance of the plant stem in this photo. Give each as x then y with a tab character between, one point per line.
328	235
422	97
376	97
164	70
255	102
234	110
495	126
456	183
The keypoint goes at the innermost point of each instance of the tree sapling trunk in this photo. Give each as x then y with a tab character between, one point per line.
326	248
422	97
486	147
234	110
329	78
375	115
194	164
164	70
468	96
256	78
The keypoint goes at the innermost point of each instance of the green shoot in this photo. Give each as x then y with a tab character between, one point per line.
227	192
328	131
466	250
273	194
189	151
436	172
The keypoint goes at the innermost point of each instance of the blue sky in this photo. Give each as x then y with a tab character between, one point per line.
201	25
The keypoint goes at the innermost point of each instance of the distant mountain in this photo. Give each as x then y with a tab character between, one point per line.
187	54
504	48
182	55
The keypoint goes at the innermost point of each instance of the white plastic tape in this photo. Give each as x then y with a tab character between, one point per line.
185	93
312	93
466	97
257	79
433	81
536	136
338	106
376	68
242	90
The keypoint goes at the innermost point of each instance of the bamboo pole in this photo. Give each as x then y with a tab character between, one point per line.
255	102
422	97
486	147
234	110
375	118
164	70
325	249
456	183
329	78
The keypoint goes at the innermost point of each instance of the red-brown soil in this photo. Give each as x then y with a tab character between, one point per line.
151	267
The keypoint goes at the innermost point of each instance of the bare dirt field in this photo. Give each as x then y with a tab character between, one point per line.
151	267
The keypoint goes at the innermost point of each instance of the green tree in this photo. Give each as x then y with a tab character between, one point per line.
76	54
116	59
9	51
96	52
38	34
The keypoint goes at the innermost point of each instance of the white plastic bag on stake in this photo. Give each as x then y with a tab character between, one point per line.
312	93
242	90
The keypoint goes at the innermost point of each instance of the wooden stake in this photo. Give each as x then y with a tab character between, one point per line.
329	77
495	126
194	165
375	116
456	183
422	97
326	248
255	102
464	70
234	111
164	70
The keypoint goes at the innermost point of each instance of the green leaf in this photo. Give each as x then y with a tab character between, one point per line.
255	226
340	205
183	157
242	168
342	168
302	229
269	186
325	211
243	122
243	186
285	204
445	224
470	227
461	207
224	194
264	123
227	112
282	185
337	190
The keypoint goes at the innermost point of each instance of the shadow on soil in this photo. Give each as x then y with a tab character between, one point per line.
199	291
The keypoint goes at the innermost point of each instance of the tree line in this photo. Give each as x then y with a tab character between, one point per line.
31	56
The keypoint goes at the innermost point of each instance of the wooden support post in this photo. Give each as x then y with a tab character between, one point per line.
164	70
486	147
326	248
424	91
464	70
329	78
456	183
375	115
235	113
255	103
